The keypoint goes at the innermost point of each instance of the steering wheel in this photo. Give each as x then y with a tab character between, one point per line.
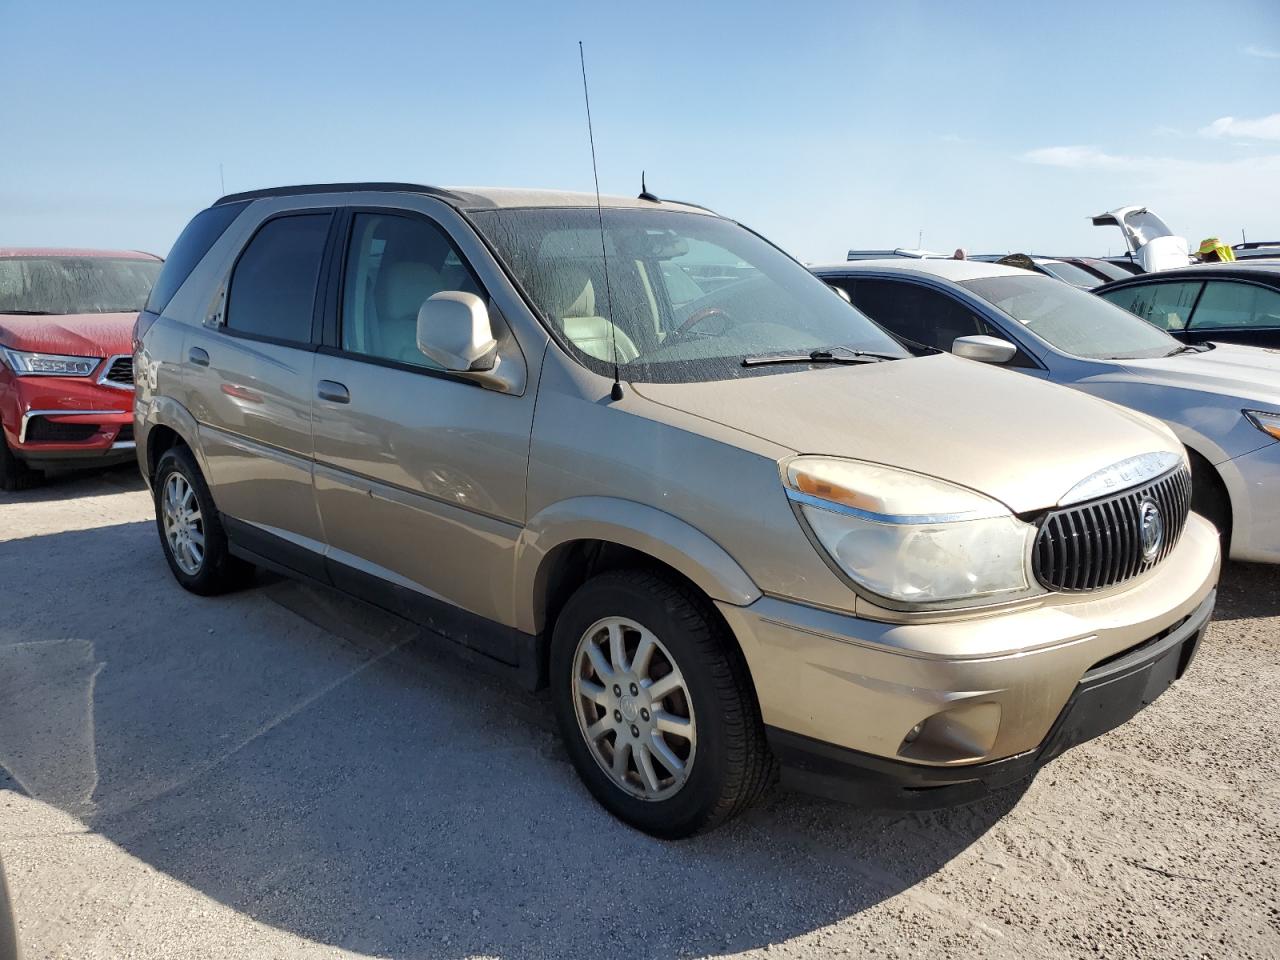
697	317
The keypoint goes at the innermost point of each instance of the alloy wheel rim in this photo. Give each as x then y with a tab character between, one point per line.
183	524
634	709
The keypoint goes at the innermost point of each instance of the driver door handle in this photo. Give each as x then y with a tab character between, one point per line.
333	391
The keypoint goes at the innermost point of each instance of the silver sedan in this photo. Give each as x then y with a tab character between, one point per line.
1222	400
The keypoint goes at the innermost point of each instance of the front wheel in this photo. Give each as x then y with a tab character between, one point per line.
191	533
655	704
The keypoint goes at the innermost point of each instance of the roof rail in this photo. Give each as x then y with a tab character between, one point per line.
1256	245
306	188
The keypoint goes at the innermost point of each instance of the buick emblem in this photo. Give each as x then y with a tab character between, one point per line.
1152	529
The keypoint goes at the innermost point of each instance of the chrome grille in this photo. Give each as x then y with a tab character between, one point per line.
119	372
1100	543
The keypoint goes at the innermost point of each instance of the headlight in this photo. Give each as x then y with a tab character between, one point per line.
1268	423
48	364
911	538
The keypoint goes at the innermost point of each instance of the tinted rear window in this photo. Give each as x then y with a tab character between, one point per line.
189	249
273	286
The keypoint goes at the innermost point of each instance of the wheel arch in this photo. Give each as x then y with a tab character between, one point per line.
168	424
606	528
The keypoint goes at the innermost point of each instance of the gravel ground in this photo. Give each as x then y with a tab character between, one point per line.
286	774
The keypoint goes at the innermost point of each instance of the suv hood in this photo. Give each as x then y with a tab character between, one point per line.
1250	373
79	334
1009	436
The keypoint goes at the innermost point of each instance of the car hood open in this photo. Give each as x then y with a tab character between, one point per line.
80	334
1017	439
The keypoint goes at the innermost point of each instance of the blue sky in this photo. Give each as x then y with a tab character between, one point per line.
993	126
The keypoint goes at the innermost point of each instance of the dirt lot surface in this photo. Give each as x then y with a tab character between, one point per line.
285	774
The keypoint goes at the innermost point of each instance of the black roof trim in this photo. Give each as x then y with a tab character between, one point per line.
307	188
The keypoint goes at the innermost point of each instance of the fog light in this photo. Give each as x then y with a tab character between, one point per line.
959	734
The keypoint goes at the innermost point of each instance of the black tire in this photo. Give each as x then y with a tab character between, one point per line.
1209	498
218	571
14	474
733	764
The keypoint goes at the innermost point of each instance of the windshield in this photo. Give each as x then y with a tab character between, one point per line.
1146	226
690	296
63	285
1069	272
1072	320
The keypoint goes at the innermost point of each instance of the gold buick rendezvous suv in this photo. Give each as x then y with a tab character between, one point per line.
642	457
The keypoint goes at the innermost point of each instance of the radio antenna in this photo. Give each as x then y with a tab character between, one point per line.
616	393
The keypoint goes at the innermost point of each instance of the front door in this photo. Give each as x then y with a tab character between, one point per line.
420	474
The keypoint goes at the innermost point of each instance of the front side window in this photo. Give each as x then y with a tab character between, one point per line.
688	296
273	286
1073	321
916	313
1165	305
66	285
1226	304
394	265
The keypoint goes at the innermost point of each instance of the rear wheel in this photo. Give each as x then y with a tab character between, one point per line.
14	474
191	533
655	705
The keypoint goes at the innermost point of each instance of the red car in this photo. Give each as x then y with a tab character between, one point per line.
66	357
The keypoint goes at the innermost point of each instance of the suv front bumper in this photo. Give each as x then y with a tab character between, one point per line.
884	712
1106	696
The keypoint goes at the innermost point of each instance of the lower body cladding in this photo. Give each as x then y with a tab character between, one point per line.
927	715
1253	484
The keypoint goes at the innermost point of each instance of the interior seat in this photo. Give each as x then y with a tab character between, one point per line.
570	298
401	289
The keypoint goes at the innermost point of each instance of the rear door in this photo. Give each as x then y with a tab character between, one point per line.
1233	311
250	373
420	474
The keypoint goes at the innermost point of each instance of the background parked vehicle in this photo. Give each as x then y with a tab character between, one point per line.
416	395
1257	250
1104	270
1223	402
1211	302
1150	242
66	357
1062	270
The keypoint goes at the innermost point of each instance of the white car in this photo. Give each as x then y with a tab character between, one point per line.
1222	400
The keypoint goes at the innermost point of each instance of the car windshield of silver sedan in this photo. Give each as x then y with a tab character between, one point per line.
687	296
66	285
1073	321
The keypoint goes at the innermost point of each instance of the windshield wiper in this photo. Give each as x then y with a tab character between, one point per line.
1191	348
846	355
28	313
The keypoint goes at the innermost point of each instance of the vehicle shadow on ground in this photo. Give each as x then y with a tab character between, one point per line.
1248	590
77	484
328	770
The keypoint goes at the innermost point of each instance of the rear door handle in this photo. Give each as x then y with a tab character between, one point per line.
198	356
333	391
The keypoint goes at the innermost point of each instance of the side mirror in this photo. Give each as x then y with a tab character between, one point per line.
454	331
984	349
842	293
